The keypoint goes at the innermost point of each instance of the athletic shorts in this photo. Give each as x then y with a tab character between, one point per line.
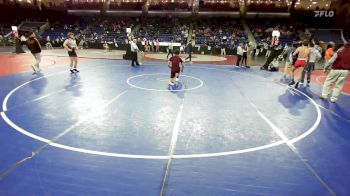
72	54
300	63
174	72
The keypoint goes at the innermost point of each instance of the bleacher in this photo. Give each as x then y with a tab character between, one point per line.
126	6
263	28
214	6
83	5
31	26
267	7
109	30
215	32
58	33
164	29
170	6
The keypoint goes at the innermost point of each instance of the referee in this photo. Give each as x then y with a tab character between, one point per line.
134	50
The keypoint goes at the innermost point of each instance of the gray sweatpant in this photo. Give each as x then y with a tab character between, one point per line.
36	66
307	70
338	77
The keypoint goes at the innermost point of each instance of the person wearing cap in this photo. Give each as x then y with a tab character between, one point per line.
70	44
340	64
35	48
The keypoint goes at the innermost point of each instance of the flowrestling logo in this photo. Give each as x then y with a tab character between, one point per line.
327	14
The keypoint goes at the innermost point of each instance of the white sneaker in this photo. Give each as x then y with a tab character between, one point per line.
333	100
171	84
176	79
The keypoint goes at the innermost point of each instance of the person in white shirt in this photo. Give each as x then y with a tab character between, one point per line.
170	50
275	37
106	46
239	54
134	49
245	55
315	56
70	44
182	49
223	48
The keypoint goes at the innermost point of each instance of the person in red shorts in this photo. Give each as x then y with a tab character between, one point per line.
176	66
303	53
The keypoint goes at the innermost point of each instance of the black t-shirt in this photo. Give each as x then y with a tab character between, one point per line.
140	46
189	47
33	45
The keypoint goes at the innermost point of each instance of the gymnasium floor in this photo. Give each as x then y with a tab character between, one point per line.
113	129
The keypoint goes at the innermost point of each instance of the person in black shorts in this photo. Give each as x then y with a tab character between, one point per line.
176	66
70	44
245	55
35	48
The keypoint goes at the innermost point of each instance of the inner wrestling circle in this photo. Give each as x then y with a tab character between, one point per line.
157	82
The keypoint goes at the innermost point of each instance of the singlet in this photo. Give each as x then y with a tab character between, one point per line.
175	61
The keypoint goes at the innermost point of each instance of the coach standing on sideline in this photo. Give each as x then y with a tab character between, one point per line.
35	48
189	51
134	49
340	63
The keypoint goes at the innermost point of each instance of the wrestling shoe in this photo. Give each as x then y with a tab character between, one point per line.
291	83
297	85
333	100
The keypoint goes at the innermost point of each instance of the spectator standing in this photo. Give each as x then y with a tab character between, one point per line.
223	49
170	49
157	45
239	54
152	45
